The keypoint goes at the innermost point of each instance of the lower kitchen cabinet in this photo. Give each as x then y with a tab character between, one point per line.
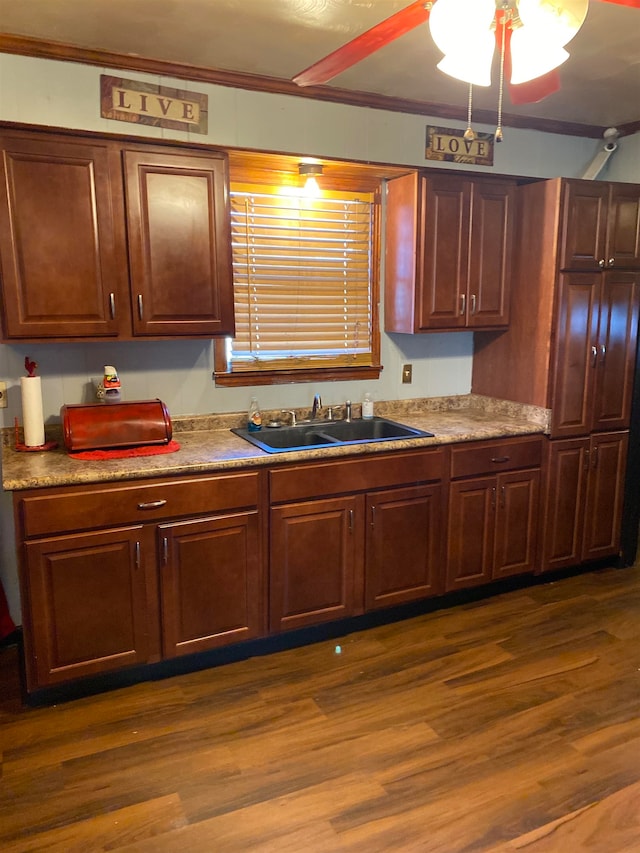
377	546
97	598
403	545
493	520
583	499
87	605
209	582
316	559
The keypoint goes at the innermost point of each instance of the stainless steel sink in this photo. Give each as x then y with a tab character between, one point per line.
305	436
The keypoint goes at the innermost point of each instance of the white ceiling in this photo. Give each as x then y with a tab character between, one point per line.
278	38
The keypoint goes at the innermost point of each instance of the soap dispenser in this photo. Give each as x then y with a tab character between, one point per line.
254	418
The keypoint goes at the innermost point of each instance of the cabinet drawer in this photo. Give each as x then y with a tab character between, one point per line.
85	507
488	457
355	475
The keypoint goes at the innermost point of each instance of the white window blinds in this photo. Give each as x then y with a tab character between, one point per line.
302	279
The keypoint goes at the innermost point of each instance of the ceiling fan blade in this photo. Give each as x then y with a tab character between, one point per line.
364	45
635	4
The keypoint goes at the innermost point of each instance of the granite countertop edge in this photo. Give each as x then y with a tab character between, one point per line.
208	446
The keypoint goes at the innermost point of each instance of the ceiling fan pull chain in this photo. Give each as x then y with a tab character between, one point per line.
498	134
469	133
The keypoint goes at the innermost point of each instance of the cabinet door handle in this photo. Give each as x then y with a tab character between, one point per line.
611	262
594	356
165	551
500	458
373	516
112	305
587	460
594	458
502	496
603	352
137	553
140	307
473	303
350	521
152	504
493	498
602	263
463	304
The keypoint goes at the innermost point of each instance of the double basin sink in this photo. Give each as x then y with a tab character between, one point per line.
308	435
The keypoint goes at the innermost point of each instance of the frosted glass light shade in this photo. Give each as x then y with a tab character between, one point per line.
462	30
530	58
555	21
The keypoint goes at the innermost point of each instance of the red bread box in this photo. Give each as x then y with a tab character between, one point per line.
107	425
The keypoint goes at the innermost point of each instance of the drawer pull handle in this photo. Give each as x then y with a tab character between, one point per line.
152	504
500	458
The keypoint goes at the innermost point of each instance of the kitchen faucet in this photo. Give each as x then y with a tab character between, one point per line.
317	405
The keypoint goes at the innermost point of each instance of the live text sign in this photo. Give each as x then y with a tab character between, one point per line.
449	145
146	103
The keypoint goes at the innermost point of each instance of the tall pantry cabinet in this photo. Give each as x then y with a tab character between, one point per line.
571	348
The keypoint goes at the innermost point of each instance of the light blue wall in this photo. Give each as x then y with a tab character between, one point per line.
61	94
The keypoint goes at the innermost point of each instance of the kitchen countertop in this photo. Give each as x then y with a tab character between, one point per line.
208	446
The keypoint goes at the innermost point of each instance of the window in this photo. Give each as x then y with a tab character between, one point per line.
305	287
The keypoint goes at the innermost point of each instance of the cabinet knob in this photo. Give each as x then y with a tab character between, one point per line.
601	263
611	262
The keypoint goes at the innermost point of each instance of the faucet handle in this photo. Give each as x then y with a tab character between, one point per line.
292	413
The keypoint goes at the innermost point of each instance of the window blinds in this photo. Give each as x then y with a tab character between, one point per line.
302	279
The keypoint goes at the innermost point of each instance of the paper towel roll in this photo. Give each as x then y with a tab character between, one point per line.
32	417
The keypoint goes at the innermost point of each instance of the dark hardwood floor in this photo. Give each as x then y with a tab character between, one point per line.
509	724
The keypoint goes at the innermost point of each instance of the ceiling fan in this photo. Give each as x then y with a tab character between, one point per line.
530	35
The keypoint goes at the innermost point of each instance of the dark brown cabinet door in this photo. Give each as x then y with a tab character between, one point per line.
87	605
623	230
490	254
575	354
443	265
567	470
470	538
403	554
584	227
63	260
210	582
616	343
603	516
583	500
179	243
316	562
517	504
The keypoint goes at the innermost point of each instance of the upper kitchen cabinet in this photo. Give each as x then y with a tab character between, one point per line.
62	251
104	239
571	344
179	242
448	253
601	226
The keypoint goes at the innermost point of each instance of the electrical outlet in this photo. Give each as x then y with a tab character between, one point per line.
407	371
3	395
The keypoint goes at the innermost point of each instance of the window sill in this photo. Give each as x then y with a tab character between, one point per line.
288	377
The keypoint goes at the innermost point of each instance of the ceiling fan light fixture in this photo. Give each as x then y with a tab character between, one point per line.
529	61
462	30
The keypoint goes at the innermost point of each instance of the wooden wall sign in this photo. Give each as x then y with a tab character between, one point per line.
145	103
449	145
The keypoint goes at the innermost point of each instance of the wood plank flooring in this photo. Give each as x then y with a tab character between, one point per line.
509	724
